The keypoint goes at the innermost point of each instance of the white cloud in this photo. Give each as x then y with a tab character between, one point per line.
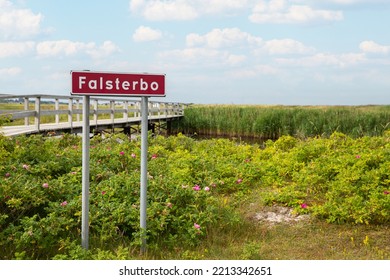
191	54
231	47
234	37
218	48
62	47
160	10
280	11
345	1
69	48
18	23
286	46
164	10
220	6
8	49
203	57
242	73
136	5
104	50
255	71
372	47
175	10
218	38
234	59
325	59
353	2
263	11
12	71
145	34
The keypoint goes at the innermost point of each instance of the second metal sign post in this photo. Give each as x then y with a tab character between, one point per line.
144	170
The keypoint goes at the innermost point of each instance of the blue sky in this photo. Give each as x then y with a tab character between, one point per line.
291	52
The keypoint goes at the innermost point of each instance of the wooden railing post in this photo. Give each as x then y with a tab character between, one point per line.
37	112
70	113
95	109
26	105
57	107
126	107
77	108
112	113
138	109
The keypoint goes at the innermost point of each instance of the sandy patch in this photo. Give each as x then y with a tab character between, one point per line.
278	215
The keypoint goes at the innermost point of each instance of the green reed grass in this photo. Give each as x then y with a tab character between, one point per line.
271	122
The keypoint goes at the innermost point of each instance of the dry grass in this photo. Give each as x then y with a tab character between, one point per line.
304	240
310	239
314	240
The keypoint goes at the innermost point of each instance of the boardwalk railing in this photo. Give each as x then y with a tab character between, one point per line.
57	112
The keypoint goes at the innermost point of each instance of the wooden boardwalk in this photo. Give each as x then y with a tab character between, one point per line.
56	114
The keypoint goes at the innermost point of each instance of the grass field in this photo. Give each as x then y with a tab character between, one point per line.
271	122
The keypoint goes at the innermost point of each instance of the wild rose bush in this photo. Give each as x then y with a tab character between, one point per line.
339	179
40	197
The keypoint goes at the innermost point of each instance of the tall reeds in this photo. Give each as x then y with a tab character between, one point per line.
271	122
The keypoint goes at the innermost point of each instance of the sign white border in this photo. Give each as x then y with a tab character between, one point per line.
117	94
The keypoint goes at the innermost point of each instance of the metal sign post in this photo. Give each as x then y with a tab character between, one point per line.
144	170
85	176
143	85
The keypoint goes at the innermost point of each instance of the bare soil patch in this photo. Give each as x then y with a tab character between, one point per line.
279	214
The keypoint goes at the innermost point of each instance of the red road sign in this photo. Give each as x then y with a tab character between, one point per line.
123	84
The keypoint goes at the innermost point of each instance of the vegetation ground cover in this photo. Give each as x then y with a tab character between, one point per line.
271	122
202	198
